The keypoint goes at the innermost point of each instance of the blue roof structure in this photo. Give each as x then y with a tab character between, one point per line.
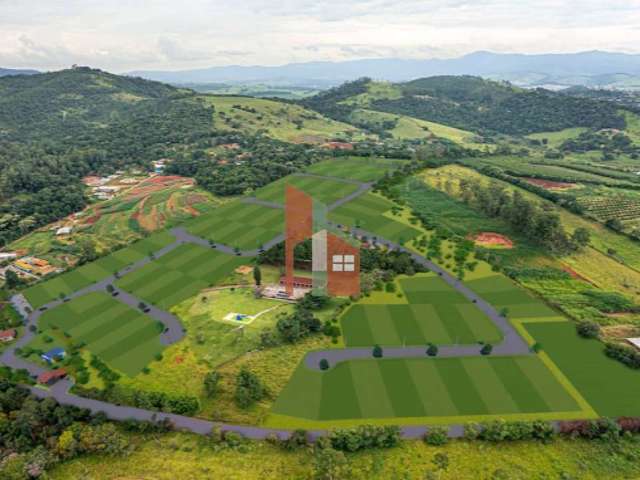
54	354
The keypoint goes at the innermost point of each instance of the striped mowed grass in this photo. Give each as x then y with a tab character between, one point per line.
433	313
243	225
324	190
367	212
364	169
85	275
121	336
179	274
424	387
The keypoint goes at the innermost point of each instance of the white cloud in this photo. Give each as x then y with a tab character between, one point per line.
121	35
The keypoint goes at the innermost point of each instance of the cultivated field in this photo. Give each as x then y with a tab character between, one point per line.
178	275
373	213
237	224
364	169
420	390
123	337
85	275
434	313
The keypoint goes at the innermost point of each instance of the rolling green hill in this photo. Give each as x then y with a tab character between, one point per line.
469	103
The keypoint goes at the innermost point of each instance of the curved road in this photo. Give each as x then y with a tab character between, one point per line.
512	343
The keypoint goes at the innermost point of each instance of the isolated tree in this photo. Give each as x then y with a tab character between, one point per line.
257	275
324	364
486	349
377	351
142	305
12	279
432	350
581	237
110	288
211	380
249	389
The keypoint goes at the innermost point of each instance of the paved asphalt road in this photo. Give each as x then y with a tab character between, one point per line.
511	344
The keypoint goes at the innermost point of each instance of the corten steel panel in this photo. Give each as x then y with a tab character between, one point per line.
342	283
299	226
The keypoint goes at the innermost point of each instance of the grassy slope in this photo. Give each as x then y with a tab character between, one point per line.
185	456
364	169
555	139
277	118
593	263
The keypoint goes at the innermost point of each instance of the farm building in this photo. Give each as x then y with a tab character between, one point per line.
64	231
4	256
54	355
8	335
49	378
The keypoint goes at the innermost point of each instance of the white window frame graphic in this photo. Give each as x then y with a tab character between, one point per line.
343	263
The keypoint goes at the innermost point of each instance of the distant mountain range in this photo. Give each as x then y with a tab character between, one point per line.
5	72
593	69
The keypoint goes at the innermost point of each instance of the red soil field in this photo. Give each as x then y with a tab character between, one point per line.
491	239
549	184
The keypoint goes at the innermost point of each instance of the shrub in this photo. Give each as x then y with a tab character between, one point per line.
296	440
432	350
437	435
211	380
365	437
249	389
501	430
377	351
588	329
623	353
486	349
471	431
324	364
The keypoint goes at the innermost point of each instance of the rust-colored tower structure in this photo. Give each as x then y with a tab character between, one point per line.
336	263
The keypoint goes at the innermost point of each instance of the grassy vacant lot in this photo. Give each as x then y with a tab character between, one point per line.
283	121
434	313
92	272
611	388
555	139
424	389
501	292
373	213
179	274
237	224
323	190
165	457
364	169
123	337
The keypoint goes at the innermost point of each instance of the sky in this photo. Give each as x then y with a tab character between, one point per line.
126	35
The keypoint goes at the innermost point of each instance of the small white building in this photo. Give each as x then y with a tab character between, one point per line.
634	341
4	256
64	231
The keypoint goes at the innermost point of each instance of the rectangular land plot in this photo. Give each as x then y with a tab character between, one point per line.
426	388
323	190
121	336
610	387
92	272
243	225
501	292
179	275
436	313
364	169
367	211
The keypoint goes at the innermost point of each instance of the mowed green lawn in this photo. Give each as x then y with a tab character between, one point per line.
501	292
366	211
364	169
123	337
435	313
180	274
423	387
610	387
243	225
323	190
92	272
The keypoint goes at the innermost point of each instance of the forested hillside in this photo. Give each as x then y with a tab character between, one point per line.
474	104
